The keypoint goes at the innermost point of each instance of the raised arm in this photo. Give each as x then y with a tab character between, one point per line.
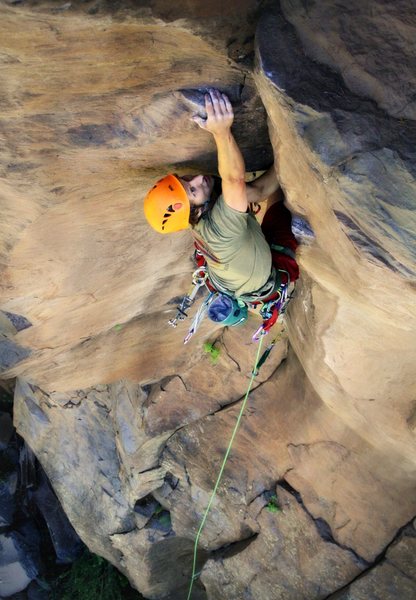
231	166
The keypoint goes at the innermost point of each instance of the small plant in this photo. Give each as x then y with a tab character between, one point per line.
273	504
212	351
92	578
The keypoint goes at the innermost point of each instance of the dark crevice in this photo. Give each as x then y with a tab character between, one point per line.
226	406
379	560
233	548
171	481
188	479
123	532
409	525
322	527
146	388
288	470
268	493
156	515
149	470
166	380
325	533
160	520
221	340
146	506
102	406
258	496
106	492
254	389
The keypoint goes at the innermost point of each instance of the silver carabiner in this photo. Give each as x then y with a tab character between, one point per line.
198	281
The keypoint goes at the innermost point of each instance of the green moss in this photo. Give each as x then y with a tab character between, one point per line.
273	505
92	578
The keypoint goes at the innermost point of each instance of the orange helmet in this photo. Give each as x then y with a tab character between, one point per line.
166	206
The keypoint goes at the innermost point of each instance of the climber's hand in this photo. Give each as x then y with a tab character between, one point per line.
220	113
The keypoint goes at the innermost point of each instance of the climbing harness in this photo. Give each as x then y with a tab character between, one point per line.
224	308
217	483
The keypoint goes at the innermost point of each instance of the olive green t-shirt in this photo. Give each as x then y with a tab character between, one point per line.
237	253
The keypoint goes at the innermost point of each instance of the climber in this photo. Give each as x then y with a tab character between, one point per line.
242	257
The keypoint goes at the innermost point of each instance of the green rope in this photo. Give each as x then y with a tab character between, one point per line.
217	483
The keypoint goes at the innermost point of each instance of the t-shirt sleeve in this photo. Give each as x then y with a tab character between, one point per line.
226	221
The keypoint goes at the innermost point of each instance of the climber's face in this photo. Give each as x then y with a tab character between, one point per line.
198	188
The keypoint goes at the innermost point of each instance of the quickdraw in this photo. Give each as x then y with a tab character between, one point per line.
199	278
201	312
273	310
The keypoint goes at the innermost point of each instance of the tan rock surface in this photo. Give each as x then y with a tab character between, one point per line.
287	559
129	424
289	434
101	449
92	114
394	576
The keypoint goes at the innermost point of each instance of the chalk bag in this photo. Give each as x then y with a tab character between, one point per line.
227	311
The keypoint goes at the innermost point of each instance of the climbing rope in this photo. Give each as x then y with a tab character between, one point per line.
217	483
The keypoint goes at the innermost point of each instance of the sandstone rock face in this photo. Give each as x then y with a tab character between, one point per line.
95	107
370	44
319	568
130	425
110	477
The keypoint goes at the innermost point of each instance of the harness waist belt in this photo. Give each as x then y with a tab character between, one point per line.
283	250
271	286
